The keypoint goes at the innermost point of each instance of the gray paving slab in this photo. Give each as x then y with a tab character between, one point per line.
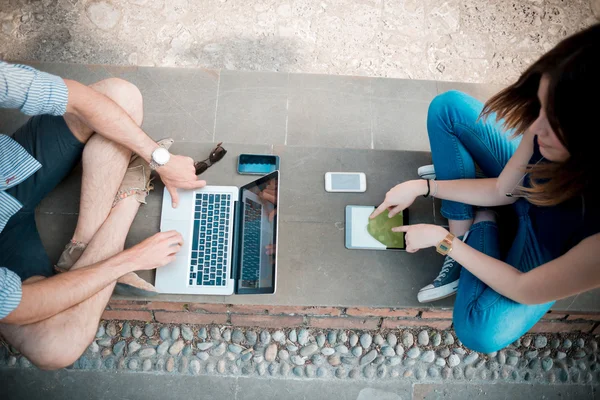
400	113
501	391
330	111
252	107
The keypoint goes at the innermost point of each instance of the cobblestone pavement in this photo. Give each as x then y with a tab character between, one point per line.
413	355
454	40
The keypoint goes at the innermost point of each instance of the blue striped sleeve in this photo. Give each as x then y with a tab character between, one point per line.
10	292
32	91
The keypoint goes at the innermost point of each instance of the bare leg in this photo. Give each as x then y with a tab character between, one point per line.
459	228
60	340
104	164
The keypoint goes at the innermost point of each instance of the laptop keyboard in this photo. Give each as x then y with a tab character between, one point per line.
210	240
252	232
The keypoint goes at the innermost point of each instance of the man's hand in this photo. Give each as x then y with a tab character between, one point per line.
179	173
157	250
421	236
401	197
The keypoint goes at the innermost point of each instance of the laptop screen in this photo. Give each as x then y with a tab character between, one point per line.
258	239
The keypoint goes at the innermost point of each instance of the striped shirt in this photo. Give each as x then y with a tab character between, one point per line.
32	92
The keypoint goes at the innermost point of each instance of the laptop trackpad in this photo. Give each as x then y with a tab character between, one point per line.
184	209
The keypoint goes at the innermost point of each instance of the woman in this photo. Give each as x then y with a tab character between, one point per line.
537	140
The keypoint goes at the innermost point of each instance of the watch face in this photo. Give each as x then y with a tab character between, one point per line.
161	156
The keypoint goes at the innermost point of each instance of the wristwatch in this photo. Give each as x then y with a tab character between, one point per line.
159	157
445	246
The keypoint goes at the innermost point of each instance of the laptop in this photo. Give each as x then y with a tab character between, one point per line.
229	239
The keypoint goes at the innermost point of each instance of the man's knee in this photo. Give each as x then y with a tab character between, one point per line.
125	94
59	357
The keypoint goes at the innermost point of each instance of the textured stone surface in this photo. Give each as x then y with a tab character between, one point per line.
454	41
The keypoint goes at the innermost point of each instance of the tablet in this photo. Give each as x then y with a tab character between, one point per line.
357	229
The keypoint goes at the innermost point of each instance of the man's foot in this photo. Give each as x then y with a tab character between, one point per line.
127	285
136	181
445	285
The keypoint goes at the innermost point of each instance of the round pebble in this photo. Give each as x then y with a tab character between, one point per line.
204	346
187	351
531	354
246	357
408	373
221	366
512	361
369	357
501	357
309	350
271	352
433	372
440	362
137	332
133	347
111	329
378	340
533	364
265	337
298	371
109	363
391	339
580	343
215	333
413	352
394	373
343	337
436	340
579	354
327	351
526	341
202	333
235	349
341	349
101	331
407	339
393	361
194	367
420	373
448	339
340	372
297	360
321	340
446	372
285	369
279	336
310	371
353	341
133	364
357	351
444	352
561	355
331	337
94	348
175	333
471	358
147	352
226	335
147	365
165	333
106	352
381	371
470	372
118	348
594	345
388	351
273	368
366	340
202	356
423	338
303	337
399	350
369	371
540	342
460	351
567	344
187	333
126	330
321	372
334	360
318	359
170	365
453	360
547	364
291	348
219	350
428	356
176	347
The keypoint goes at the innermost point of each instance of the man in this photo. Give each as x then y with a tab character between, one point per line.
98	125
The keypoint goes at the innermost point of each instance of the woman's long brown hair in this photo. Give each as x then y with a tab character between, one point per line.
573	111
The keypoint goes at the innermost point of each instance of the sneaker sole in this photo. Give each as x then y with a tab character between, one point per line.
440	293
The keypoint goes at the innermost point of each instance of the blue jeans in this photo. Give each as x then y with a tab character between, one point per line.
484	320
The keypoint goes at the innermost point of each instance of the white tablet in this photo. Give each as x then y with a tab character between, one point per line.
357	234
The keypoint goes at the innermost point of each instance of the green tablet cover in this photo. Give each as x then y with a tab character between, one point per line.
381	226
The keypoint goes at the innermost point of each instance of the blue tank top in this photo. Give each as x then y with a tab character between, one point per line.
560	228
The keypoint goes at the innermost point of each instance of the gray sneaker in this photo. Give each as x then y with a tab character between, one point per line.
445	285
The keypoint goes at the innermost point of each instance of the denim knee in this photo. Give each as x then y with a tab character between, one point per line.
481	336
441	105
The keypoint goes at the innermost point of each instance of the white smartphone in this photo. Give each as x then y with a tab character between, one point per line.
345	182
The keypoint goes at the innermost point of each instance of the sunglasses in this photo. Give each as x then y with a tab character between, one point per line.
216	155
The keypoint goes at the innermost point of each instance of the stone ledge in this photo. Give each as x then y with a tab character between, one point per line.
370	318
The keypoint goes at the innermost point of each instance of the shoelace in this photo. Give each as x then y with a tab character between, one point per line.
448	263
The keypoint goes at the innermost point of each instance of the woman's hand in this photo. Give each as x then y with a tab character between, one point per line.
401	197
421	236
